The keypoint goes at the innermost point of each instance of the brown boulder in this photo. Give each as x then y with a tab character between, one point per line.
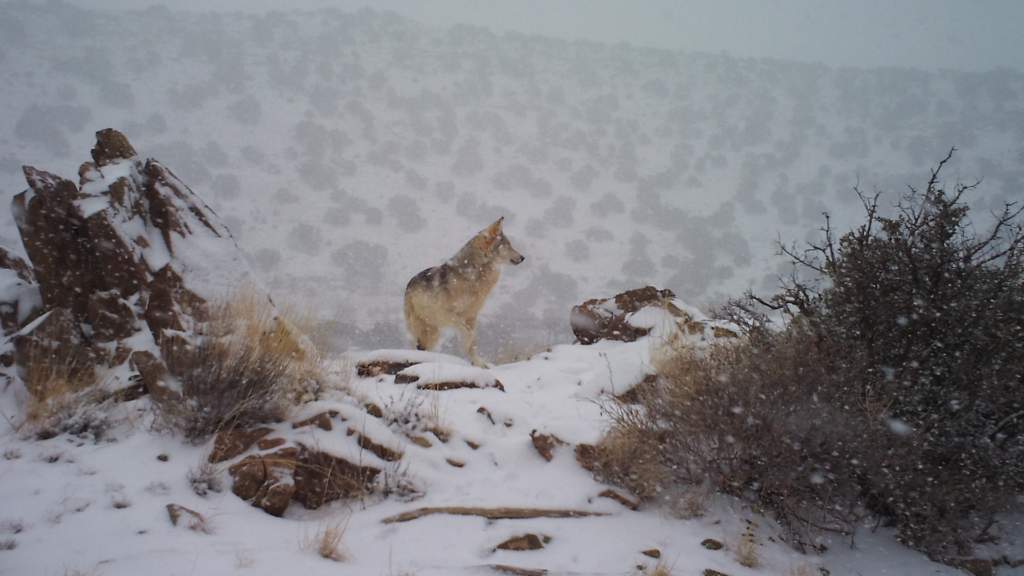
155	377
711	544
607	318
321	478
266	479
55	344
111	145
11	261
545	443
321	421
524	542
51	227
232	443
111	317
653	553
21	302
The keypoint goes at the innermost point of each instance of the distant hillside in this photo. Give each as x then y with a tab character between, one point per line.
347	152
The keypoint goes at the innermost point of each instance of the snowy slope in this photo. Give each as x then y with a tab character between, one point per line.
85	506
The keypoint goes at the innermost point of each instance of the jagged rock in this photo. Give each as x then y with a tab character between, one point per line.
20	300
269	443
620	498
129	242
710	572
321	477
111	145
155	376
111	317
524	542
633	314
57	340
652	553
382	452
711	544
545	443
232	443
378	367
321	421
11	261
607	318
267	479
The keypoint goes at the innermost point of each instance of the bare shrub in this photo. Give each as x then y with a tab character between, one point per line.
894	389
245	368
756	419
205	478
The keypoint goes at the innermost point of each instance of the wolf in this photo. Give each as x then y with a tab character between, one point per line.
452	294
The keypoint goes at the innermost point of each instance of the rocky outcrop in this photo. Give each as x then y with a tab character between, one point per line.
117	260
625	317
607	318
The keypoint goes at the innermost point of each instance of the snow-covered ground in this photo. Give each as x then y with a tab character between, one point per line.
86	506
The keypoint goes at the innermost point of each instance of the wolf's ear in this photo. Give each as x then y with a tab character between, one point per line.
494	229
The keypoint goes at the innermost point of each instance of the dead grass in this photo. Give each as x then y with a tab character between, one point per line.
246	366
243	558
745	548
327	539
205	478
688	503
63	396
626	456
659	568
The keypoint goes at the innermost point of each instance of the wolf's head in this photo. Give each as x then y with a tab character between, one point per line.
497	245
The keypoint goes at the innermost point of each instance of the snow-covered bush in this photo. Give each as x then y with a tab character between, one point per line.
894	389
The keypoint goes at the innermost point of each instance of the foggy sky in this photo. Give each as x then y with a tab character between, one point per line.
972	35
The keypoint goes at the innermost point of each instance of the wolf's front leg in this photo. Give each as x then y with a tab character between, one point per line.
468	343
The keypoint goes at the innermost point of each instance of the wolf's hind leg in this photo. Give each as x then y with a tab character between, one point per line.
424	334
428	337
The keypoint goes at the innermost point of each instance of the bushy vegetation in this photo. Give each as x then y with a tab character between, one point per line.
893	390
246	367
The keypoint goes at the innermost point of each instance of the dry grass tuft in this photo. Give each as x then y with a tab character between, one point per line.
63	396
659	568
745	548
327	539
205	478
688	503
248	364
243	558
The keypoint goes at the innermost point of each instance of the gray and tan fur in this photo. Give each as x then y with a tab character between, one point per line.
452	294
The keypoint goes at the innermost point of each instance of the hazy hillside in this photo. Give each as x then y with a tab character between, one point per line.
347	152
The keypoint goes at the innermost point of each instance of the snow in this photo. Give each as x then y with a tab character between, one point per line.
707	231
80	504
